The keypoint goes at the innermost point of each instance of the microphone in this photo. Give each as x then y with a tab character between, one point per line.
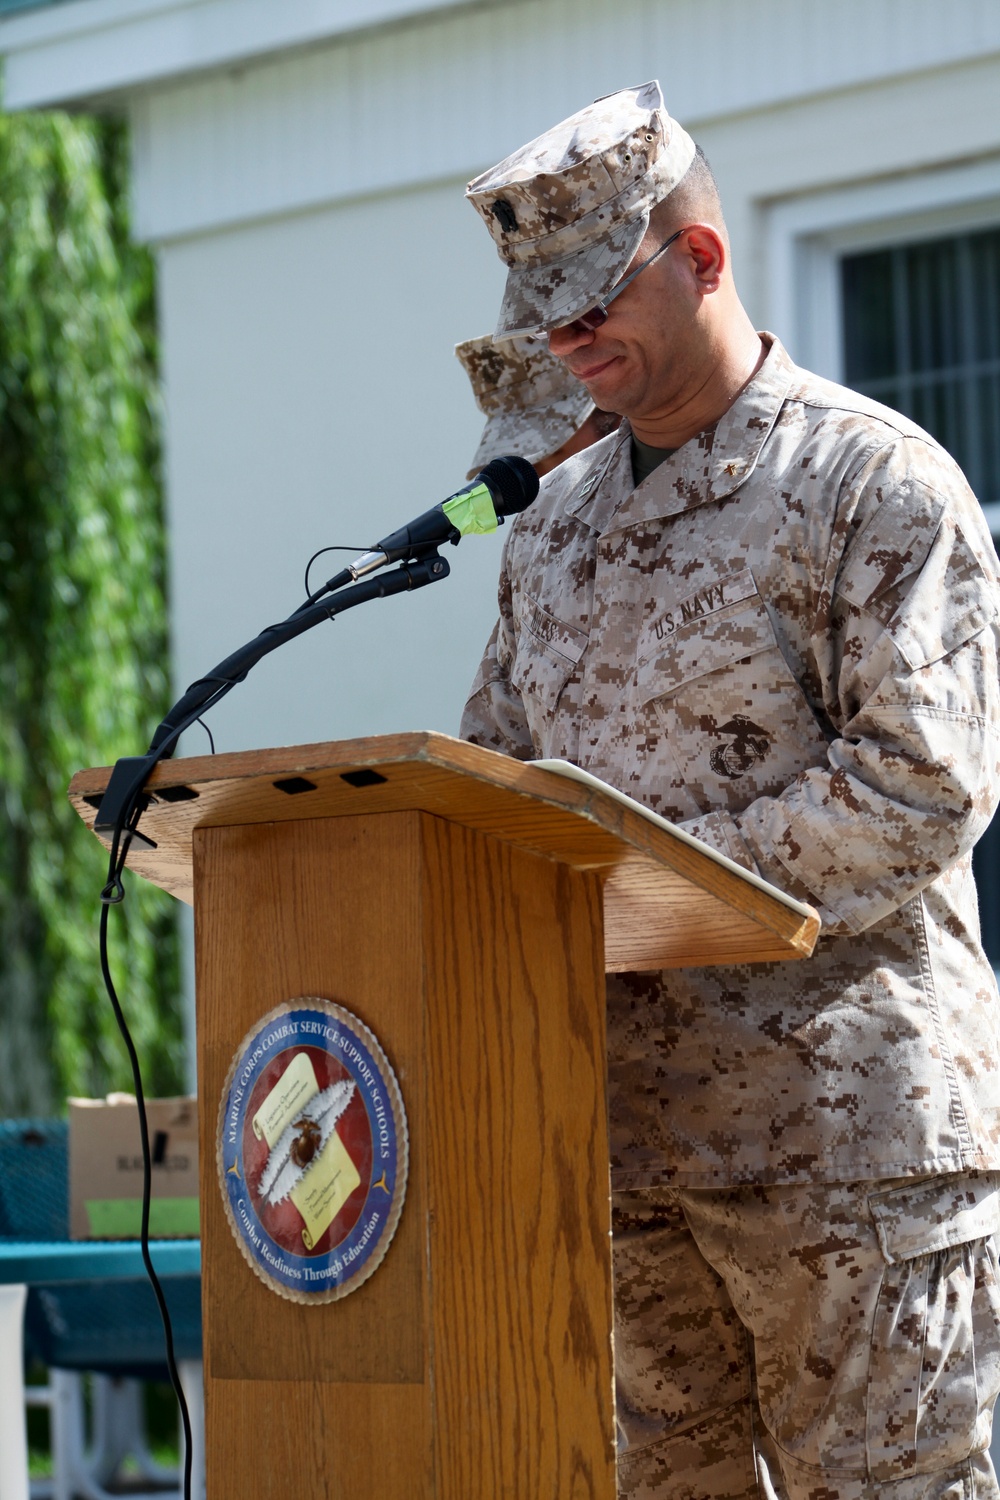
504	488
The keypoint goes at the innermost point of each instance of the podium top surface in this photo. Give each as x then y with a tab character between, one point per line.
669	901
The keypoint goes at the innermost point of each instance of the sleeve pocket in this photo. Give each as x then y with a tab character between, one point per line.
931	596
951	601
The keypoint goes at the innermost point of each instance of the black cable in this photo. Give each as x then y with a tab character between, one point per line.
119	851
211	737
320	553
112	895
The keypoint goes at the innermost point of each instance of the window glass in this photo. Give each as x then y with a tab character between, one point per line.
922	334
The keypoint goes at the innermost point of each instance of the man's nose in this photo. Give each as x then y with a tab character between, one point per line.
562	341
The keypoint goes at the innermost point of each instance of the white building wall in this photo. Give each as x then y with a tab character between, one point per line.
312	397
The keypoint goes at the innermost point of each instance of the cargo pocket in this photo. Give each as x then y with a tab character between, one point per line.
934	1370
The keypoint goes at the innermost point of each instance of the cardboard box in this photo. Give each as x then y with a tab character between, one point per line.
105	1168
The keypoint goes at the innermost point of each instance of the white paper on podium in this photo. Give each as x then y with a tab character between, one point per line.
576	773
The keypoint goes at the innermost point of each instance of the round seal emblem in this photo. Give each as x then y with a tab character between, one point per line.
312	1151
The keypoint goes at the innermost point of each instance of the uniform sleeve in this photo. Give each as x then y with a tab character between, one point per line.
905	645
494	715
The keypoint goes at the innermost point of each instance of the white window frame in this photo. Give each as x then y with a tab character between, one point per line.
806	236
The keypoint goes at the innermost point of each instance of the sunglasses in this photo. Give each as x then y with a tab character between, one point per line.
591	320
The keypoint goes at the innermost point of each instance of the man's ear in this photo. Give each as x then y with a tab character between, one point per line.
706	252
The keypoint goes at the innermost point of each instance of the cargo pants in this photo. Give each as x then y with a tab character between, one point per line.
819	1342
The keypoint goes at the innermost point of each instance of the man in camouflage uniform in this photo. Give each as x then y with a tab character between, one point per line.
533	406
784	638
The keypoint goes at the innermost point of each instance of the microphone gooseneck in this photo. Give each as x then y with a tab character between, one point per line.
504	488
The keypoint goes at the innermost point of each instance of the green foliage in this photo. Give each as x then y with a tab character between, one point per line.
82	613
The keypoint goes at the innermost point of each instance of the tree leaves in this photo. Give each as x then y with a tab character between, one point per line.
83	644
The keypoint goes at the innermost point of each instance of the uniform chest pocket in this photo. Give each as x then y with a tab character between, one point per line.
548	652
701	647
737	722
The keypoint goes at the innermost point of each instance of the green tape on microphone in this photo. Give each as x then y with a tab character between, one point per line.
471	512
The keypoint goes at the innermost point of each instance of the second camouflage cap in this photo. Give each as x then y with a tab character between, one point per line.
568	211
532	404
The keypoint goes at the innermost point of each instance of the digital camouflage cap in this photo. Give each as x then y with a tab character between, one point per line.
532	404
568	211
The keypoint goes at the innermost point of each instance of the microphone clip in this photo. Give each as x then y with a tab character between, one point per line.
370	562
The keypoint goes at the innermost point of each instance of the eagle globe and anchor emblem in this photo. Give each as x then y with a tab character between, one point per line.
747	745
312	1151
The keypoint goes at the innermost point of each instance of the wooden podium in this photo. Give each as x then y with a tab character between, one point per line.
464	906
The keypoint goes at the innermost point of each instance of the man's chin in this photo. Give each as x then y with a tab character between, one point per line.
612	390
605	384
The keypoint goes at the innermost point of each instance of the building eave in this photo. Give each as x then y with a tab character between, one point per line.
85	53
